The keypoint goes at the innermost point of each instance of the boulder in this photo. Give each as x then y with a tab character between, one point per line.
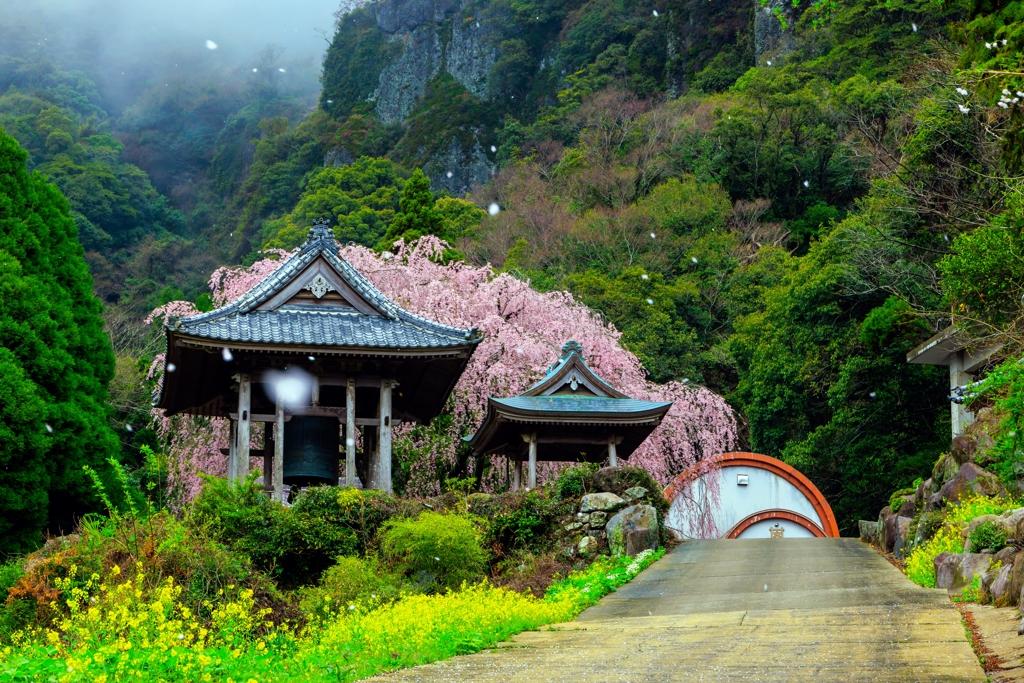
927	525
868	530
970	565
634	494
954	571
1005	556
886	534
587	545
945	564
1000	588
921	495
944	469
906	508
598	519
601	502
971	478
1017	575
964	448
901	545
974	524
615	480
934	503
573	526
633	530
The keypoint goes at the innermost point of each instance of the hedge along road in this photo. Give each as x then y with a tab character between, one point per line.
815	609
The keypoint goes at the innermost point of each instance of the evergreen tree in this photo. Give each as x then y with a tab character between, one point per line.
55	361
417	215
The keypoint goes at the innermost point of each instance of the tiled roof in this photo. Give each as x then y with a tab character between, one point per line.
395	328
583	405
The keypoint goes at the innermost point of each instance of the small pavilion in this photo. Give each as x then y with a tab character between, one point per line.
572	415
317	351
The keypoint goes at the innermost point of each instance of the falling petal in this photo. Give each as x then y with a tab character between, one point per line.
644	276
493	148
650	302
914	26
330	101
694	259
872	394
655	13
282	70
171	367
225	353
686	380
311	358
129	428
210	45
945	237
807	183
988	46
494	209
386	255
962	91
350	442
449	174
653	236
49	429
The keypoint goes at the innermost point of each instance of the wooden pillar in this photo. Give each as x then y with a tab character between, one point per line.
517	474
244	425
384	442
268	456
232	450
531	479
350	433
613	455
278	494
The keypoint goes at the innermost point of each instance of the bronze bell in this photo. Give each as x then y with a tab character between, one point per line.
311	450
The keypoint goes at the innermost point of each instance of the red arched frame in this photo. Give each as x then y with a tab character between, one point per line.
763	462
789	515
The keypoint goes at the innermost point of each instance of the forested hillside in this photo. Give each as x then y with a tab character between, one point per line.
774	200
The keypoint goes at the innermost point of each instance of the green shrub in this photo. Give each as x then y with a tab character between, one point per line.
437	551
575	481
10	572
351	580
988	535
896	499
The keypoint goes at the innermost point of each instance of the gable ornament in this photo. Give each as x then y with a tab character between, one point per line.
319	286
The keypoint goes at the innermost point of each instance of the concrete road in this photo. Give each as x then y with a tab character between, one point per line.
743	610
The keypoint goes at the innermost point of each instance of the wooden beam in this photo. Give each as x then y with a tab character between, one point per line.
316	411
244	435
517	475
350	433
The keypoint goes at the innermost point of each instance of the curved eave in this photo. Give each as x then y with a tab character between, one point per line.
456	348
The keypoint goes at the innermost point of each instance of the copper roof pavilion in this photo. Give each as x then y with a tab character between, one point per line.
317	315
571	415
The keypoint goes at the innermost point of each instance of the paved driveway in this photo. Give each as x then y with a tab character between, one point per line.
743	610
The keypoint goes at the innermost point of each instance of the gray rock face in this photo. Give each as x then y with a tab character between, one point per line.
945	564
598	519
772	42
458	170
906	508
633	530
470	54
1000	588
934	503
886	530
868	530
604	502
587	545
404	81
406	15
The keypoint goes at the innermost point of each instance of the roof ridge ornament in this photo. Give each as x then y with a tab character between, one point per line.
572	346
321	230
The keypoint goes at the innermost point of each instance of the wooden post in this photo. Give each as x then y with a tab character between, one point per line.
961	417
517	474
315	398
350	433
279	452
232	450
613	456
244	428
268	456
384	442
531	479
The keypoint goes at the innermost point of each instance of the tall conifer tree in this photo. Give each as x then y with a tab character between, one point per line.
55	361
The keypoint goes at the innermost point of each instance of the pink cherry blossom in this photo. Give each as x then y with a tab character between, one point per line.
524	331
